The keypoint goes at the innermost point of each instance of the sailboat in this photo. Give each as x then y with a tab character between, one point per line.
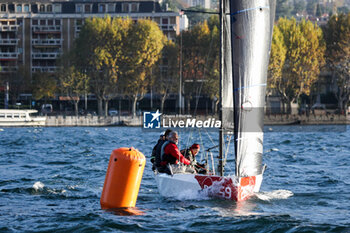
246	32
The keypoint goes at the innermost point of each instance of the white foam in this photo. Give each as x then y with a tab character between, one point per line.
1	130
273	195
38	186
192	195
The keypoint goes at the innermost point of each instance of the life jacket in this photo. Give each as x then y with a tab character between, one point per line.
167	158
158	152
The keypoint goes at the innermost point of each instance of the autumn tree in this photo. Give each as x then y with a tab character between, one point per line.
337	36
166	73
211	87
195	48
74	84
142	50
44	85
99	52
304	57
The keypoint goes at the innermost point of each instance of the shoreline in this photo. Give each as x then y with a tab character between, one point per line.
96	121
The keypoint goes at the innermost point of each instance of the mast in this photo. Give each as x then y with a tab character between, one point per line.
221	133
226	80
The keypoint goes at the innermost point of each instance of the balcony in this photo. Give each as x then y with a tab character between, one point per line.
44	42
8	56
8	28
8	41
44	68
5	69
168	27
52	55
40	29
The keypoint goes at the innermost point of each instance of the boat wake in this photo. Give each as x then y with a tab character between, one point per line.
193	195
274	195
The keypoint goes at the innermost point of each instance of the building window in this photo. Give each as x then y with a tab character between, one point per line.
134	7
57	22
49	8
42	8
164	20
111	7
35	22
125	7
3	8
87	8
57	8
26	8
43	22
19	21
19	8
50	22
79	8
101	8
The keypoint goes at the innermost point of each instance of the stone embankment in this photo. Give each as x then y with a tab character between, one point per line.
93	121
137	121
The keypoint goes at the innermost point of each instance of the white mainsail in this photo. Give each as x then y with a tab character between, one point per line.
251	28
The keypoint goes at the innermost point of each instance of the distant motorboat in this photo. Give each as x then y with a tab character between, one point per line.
16	117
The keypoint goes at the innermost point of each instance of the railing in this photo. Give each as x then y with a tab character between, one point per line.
168	27
9	41
46	41
44	68
45	55
13	55
9	28
9	68
46	28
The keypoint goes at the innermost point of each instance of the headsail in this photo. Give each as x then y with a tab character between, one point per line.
251	38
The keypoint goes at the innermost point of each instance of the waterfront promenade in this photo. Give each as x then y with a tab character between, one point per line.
278	119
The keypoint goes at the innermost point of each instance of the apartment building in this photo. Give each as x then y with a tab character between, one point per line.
34	33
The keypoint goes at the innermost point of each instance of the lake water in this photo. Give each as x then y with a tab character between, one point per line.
51	179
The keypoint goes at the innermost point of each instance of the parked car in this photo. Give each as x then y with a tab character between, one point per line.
113	112
46	108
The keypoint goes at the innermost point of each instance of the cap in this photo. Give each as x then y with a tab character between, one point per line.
195	146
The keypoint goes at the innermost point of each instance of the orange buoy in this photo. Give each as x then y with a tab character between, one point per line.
123	178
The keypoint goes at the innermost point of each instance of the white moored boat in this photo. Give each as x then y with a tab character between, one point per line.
246	32
14	117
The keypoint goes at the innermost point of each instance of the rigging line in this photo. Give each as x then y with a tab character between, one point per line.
228	145
188	139
210	138
201	140
254	85
250	9
200	12
227	148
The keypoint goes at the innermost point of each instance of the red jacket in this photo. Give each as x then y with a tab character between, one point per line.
172	150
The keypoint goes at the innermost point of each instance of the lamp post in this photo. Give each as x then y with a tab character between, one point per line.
7	95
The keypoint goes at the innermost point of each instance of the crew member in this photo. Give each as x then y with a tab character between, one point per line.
160	142
190	154
170	153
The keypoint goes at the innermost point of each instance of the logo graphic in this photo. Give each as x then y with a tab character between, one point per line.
151	120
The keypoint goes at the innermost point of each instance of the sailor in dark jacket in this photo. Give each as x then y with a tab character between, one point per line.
156	152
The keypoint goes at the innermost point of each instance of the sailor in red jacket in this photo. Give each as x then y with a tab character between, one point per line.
170	152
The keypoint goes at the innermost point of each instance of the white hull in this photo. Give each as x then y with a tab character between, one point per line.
227	187
20	118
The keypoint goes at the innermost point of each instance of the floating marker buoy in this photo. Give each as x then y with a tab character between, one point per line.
123	178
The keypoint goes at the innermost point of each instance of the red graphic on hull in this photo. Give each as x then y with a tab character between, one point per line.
226	188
